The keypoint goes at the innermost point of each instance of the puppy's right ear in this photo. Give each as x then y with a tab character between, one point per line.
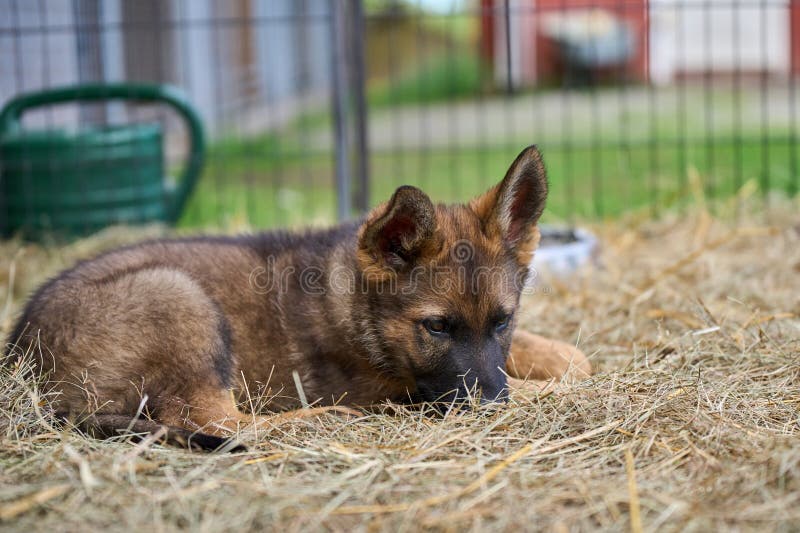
397	233
510	210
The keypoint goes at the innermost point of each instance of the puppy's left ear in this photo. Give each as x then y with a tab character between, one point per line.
397	234
511	209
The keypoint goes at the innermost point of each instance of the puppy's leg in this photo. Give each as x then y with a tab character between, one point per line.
214	411
312	411
108	426
146	341
208	408
539	358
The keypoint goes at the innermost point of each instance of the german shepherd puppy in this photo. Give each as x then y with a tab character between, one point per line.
417	302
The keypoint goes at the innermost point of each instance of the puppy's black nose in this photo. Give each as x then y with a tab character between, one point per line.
494	398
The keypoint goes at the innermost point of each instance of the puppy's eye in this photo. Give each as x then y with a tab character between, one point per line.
502	324
435	326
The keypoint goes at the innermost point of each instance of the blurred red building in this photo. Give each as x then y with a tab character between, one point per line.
667	39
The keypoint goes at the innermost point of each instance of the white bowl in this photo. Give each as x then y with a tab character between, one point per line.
562	251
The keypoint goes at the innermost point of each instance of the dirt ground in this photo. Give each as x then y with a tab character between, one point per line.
692	422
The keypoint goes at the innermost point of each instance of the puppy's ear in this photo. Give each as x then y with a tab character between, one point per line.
396	234
511	209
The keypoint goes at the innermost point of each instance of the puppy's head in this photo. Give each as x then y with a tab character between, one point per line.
443	282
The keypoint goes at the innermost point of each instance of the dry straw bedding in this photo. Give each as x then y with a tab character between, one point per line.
691	423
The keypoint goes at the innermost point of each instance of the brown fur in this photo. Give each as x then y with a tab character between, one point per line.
168	329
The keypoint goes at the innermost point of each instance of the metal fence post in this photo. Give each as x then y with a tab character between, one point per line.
339	106
349	107
358	81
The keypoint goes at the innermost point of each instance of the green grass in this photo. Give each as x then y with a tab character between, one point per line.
294	188
442	78
263	192
628	159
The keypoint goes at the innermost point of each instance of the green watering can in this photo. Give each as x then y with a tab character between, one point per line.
74	183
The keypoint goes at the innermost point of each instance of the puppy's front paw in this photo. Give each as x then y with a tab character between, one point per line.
539	358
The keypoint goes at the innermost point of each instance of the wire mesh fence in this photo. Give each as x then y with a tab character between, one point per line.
316	109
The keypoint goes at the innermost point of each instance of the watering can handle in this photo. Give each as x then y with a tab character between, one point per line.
13	110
